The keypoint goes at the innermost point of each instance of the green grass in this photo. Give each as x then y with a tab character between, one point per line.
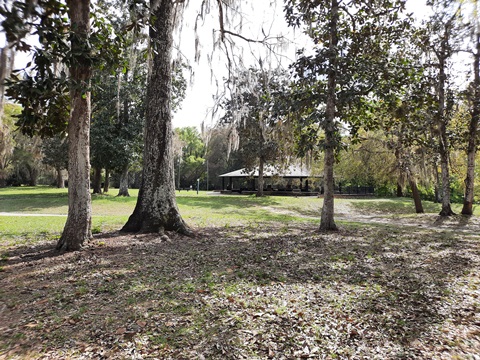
199	210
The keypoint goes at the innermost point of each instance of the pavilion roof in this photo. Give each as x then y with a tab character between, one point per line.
291	171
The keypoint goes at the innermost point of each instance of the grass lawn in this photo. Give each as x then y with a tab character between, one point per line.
257	281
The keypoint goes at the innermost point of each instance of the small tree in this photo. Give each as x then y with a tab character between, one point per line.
351	63
440	43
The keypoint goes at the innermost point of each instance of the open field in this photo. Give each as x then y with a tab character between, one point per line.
257	281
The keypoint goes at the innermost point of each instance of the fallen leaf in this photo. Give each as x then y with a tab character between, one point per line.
121	331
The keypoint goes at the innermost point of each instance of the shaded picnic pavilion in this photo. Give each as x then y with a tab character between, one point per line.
278	181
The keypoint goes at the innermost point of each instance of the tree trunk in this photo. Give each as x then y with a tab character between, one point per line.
473	133
442	129
123	190
106	185
261	181
77	229
399	190
60	181
6	67
33	173
438	197
327	221
7	57
97	180
416	195
156	209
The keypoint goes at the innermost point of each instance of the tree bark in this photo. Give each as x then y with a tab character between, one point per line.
33	174
6	67
123	189
327	221
106	185
442	126
261	181
60	180
473	133
77	229
97	180
156	209
399	190
438	197
416	195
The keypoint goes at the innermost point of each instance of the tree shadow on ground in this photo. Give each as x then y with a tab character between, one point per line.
221	202
27	202
245	292
391	206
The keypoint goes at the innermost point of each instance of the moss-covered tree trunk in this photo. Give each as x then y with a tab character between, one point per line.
77	229
156	209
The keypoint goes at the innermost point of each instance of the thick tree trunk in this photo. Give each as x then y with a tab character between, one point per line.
327	221
78	226
60	180
123	189
106	184
261	181
156	209
97	180
472	135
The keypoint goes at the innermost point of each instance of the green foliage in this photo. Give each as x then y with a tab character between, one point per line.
42	88
364	64
368	162
190	156
55	152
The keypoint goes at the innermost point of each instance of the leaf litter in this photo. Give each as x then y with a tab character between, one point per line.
258	291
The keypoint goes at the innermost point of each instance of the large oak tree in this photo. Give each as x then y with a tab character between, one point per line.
156	209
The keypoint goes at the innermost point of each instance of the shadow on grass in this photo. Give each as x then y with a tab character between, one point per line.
245	292
221	202
35	202
391	206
